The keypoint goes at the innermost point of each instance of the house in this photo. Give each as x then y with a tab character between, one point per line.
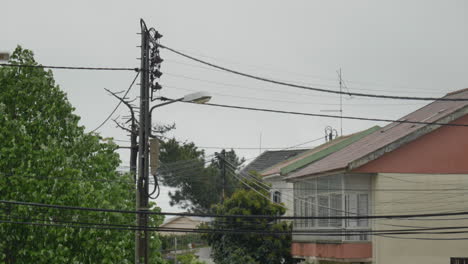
281	190
203	253
185	222
402	168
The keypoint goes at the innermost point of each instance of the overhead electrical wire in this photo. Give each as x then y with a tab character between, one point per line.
412	91
118	104
289	84
409	229
292	102
81	179
70	67
79	208
425	238
251	148
249	231
282	70
329	116
237	86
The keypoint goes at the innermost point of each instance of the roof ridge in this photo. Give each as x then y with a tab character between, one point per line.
457	92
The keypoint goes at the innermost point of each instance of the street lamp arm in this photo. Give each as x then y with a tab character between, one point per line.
165	103
198	98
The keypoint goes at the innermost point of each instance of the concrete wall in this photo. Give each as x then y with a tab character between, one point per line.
427	193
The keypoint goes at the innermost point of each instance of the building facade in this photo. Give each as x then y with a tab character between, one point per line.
416	166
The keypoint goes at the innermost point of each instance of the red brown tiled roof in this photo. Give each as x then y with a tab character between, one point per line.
394	133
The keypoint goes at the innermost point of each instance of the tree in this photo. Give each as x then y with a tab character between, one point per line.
199	186
46	157
252	248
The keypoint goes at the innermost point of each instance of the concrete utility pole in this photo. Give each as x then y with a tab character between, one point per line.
149	72
222	166
142	201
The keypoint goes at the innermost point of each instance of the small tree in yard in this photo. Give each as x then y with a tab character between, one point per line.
252	248
46	157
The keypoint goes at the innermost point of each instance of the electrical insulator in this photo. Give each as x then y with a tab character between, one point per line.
156	86
157	60
156	73
157	35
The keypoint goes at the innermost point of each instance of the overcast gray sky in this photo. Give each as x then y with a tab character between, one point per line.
396	47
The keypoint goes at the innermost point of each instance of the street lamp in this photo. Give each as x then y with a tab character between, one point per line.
198	98
143	195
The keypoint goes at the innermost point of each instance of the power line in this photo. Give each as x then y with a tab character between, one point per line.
317	77
425	238
351	232
81	179
118	104
65	207
246	148
408	230
290	101
70	67
329	116
308	87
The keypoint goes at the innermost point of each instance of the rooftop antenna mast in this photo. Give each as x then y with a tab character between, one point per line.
341	102
340	110
260	146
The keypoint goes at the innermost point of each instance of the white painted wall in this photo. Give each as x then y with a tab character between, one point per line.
286	189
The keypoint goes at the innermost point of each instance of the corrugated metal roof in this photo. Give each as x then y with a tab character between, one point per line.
270	158
382	138
278	168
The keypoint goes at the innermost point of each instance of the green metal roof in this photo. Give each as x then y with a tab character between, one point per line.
327	151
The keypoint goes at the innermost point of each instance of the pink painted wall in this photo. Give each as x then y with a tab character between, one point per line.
442	151
338	251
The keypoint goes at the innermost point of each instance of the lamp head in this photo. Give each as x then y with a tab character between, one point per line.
198	98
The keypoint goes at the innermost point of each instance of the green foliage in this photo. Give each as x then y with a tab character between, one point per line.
188	258
198	186
228	248
46	157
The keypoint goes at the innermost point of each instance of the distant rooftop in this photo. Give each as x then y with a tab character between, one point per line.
270	158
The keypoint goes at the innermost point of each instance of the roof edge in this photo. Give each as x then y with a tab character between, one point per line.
319	174
457	91
327	151
406	139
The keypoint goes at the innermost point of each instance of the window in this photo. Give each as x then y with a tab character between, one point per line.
319	197
458	260
277	197
333	196
357	204
336	209
362	209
